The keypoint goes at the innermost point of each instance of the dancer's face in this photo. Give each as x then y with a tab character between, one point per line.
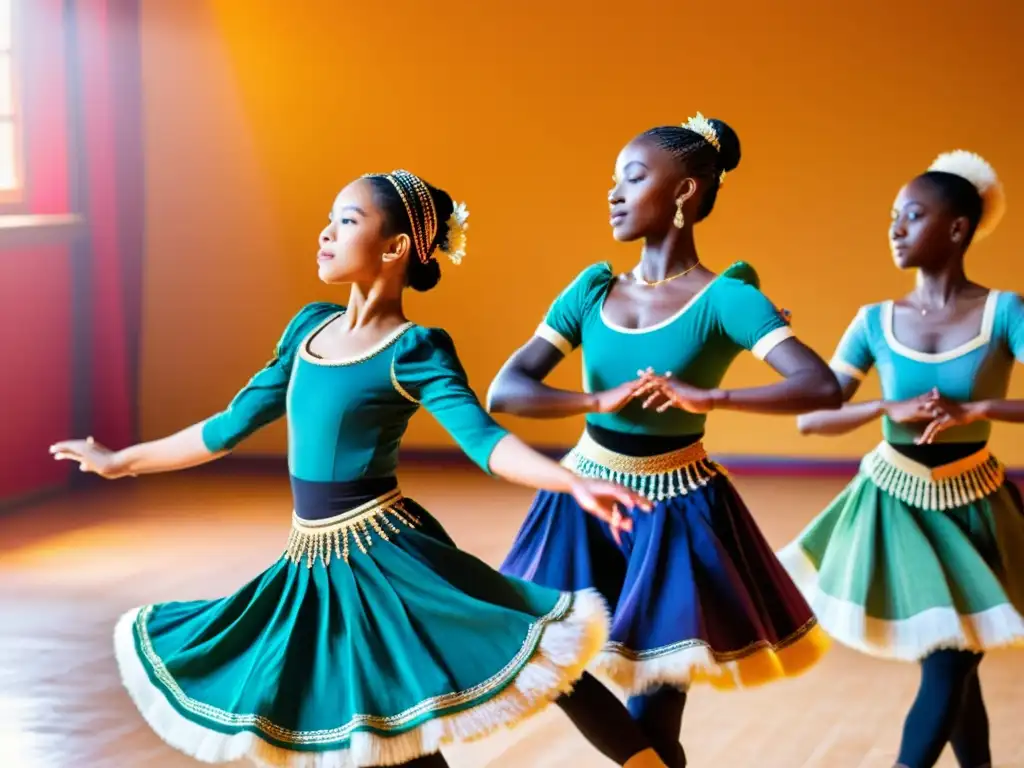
353	248
648	181
925	232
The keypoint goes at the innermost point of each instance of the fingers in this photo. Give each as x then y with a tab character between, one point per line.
932	430
644	387
630	499
618	521
617	524
72	445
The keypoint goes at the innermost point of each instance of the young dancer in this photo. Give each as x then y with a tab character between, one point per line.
696	591
921	557
373	640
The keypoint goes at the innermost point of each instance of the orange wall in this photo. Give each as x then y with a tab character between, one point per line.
257	115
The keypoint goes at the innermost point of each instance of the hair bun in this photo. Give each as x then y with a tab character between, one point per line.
975	169
729	149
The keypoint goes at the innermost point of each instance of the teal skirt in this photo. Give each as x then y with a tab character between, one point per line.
908	559
372	641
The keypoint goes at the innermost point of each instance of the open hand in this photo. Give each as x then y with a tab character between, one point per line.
603	500
91	457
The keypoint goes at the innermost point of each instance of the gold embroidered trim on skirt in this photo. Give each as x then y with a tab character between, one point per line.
313	540
659	477
946	487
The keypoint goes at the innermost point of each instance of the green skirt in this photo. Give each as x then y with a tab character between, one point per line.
908	560
374	640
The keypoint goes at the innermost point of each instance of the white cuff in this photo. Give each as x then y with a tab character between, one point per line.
553	337
770	341
843	367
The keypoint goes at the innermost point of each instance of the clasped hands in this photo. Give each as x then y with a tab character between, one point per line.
939	412
659	392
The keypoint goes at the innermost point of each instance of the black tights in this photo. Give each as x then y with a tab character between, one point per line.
598	715
948	708
427	761
652	720
603	721
660	715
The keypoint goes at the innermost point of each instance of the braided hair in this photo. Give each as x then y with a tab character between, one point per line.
422	271
699	156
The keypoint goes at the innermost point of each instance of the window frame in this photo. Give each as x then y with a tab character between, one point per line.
13	200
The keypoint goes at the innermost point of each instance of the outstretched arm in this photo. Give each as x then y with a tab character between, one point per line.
518	463
260	402
181	450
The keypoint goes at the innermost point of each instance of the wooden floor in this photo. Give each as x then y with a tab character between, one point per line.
70	567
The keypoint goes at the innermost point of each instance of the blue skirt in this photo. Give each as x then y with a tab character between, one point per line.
696	592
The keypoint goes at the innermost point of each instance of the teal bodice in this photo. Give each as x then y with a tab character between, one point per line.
346	418
697	344
976	370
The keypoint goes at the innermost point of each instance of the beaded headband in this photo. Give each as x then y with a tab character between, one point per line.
419	205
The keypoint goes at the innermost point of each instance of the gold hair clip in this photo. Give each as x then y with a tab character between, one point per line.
700	124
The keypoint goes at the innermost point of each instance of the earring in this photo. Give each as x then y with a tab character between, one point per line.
679	220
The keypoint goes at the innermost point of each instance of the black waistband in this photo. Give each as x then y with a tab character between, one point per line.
936	454
318	500
630	444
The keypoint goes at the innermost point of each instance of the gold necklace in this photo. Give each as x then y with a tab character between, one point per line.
641	281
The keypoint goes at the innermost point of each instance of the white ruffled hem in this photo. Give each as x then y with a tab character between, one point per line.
908	639
565	649
675	669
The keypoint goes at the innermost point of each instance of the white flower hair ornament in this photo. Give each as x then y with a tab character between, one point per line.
454	246
975	169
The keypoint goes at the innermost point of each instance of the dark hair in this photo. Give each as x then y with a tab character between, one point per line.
420	276
700	156
959	194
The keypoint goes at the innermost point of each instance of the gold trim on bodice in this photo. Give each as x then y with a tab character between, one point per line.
945	487
659	477
313	540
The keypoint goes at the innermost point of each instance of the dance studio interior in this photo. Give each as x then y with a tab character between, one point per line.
171	176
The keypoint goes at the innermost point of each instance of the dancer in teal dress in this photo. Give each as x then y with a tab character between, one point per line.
373	640
697	593
921	557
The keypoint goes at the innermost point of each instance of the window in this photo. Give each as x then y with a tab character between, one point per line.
11	170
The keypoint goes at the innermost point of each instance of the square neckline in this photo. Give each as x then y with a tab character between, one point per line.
983	337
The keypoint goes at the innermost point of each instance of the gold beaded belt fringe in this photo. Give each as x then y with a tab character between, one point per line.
659	477
945	487
313	540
